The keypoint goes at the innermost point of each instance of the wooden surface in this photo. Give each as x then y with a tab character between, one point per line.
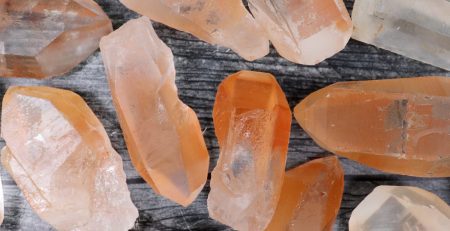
200	68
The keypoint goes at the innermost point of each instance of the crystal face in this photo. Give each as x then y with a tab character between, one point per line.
163	135
304	31
413	28
252	122
398	126
223	22
61	158
400	208
46	38
311	196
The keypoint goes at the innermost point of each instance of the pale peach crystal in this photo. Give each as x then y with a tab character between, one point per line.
61	158
400	208
45	38
252	122
311	196
304	31
398	126
223	22
163	135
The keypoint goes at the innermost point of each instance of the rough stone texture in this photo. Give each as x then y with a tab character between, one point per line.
252	122
414	28
61	158
304	31
163	134
200	69
46	38
400	208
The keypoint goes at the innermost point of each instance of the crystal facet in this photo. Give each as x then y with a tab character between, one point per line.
45	38
61	158
223	22
311	196
304	31
414	28
163	135
398	126
252	122
400	208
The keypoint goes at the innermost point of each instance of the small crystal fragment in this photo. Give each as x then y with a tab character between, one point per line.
414	28
46	38
311	196
252	122
304	31
163	135
400	208
61	158
399	125
223	22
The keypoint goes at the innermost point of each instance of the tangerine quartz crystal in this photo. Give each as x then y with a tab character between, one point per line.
223	22
163	135
61	158
311	196
252	122
46	38
399	125
304	31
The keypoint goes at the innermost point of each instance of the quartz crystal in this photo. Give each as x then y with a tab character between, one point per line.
400	208
252	122
61	158
45	38
398	125
304	31
163	135
223	22
311	196
417	29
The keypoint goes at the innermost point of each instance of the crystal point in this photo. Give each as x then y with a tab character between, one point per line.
414	28
46	38
399	125
163	135
252	122
62	160
223	22
304	31
400	208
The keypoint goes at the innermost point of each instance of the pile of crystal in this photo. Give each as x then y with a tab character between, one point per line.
311	196
399	125
304	31
252	122
61	158
162	134
46	38
414	28
400	208
223	22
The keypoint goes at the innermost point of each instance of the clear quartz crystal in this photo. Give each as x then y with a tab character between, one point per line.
417	29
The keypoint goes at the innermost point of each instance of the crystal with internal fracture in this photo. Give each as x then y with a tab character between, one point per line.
414	28
252	122
311	196
223	22
163	135
304	31
61	158
400	208
46	38
398	126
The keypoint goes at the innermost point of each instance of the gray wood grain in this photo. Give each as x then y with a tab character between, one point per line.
200	68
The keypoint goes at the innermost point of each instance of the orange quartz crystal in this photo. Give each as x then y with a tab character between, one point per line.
252	122
311	196
399	125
